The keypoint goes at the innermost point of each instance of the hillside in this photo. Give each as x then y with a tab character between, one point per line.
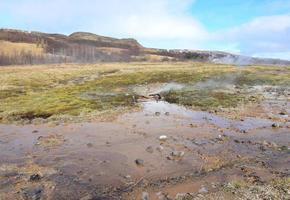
22	47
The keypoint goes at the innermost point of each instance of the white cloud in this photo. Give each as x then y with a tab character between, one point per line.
262	35
164	20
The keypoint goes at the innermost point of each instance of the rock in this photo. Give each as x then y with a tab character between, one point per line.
236	141
163	138
203	190
145	196
178	154
150	149
35	131
193	125
139	162
243	131
167	113
35	177
275	125
157	113
282	113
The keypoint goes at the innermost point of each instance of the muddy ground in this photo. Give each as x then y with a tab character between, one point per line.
161	151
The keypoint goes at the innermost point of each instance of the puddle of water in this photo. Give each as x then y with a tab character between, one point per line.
150	108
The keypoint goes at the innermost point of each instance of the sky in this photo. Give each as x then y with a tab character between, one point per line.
259	28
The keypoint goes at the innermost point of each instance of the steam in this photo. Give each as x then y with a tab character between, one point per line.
223	82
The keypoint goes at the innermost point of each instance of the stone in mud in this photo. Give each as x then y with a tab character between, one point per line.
150	149
35	131
177	154
167	113
282	113
275	125
163	138
157	113
35	177
145	196
243	131
139	162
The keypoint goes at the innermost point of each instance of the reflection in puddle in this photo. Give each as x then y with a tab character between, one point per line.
150	108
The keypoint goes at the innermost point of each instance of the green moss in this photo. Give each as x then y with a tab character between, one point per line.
205	99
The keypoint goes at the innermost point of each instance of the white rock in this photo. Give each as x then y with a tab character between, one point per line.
163	137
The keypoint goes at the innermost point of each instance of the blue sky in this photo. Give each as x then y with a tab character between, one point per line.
252	27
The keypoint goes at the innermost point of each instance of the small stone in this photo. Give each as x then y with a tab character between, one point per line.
157	113
275	125
243	131
177	153
282	113
35	177
163	138
139	162
167	113
35	131
150	149
236	141
145	196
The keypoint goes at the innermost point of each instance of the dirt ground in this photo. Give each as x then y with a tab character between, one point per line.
200	153
160	151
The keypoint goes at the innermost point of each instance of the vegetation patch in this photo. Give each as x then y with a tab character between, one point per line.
51	91
205	99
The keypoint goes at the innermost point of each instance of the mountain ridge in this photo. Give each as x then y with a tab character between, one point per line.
86	47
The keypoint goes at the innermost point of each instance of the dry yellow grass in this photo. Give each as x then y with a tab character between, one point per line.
12	49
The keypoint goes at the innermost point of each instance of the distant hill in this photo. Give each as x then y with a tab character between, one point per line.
22	47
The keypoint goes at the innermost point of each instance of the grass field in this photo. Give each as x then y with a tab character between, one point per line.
14	49
54	92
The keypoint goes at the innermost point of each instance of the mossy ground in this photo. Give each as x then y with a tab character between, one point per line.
51	91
